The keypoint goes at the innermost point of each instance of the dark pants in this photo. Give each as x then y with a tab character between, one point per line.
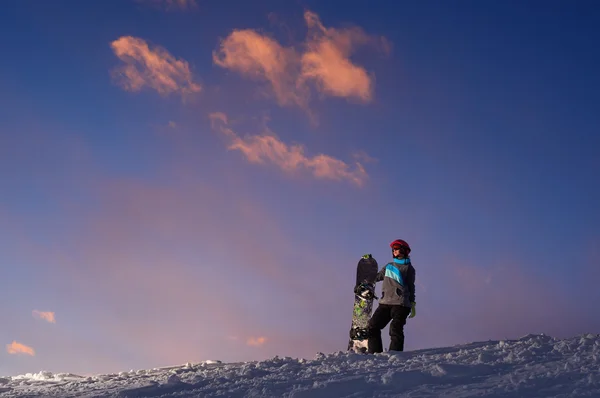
382	316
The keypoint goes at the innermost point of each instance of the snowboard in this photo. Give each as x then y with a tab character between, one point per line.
364	296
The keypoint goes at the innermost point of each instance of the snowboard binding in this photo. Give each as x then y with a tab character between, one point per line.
359	334
365	291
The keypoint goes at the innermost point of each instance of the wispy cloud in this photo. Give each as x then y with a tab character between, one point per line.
267	148
45	315
260	57
327	62
172	4
150	67
324	63
256	341
18	348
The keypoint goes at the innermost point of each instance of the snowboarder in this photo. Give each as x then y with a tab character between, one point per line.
397	302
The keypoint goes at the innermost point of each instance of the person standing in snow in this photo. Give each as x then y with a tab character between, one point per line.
397	302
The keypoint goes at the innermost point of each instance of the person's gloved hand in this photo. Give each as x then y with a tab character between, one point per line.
413	310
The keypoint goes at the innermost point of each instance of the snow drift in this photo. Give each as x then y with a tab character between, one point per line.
532	366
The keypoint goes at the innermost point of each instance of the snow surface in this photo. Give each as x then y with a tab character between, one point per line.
532	366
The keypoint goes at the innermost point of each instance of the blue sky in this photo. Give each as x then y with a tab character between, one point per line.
184	181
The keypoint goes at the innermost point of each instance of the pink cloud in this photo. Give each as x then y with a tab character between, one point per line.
324	61
149	67
260	57
45	315
267	148
17	348
256	341
327	61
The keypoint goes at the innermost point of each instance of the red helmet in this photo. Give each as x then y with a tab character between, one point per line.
400	244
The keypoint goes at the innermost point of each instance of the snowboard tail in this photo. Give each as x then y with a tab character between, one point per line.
364	296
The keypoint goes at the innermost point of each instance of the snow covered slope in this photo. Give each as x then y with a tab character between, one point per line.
533	366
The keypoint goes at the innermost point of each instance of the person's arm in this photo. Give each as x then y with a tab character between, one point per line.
380	274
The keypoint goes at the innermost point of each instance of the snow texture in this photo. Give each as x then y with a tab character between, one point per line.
532	366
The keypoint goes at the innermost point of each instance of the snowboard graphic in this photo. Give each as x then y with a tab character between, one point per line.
364	295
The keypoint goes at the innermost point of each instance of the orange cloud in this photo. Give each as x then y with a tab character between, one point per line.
47	316
152	67
256	341
18	348
268	148
325	62
261	58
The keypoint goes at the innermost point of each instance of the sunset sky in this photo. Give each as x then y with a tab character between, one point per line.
183	181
